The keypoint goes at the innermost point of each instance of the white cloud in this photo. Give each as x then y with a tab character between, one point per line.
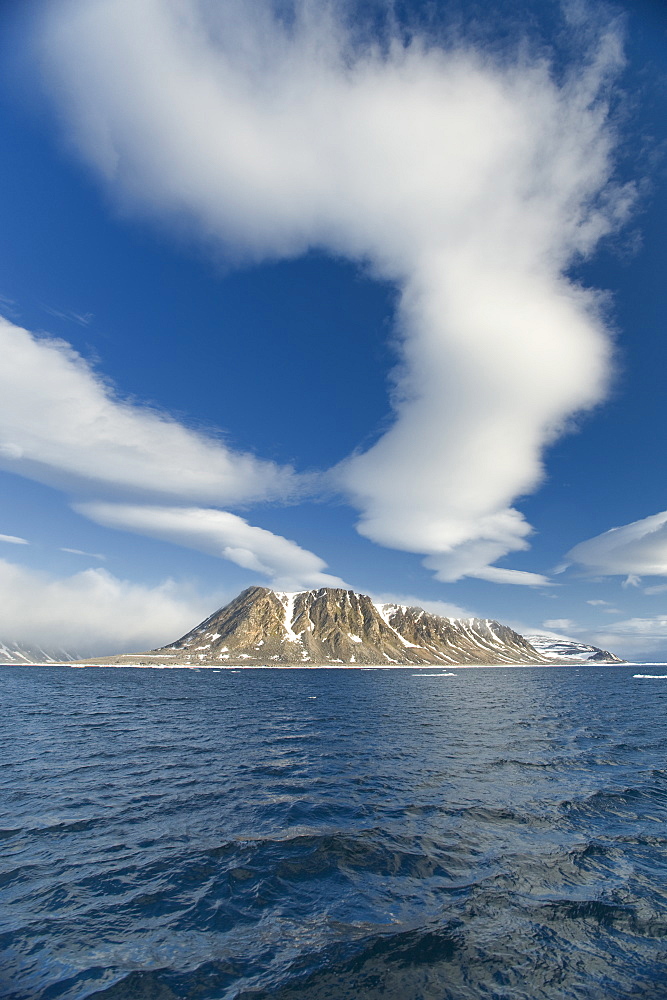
63	425
14	540
561	625
473	183
80	552
497	574
94	613
632	550
605	607
221	534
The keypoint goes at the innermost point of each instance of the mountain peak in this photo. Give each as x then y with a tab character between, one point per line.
332	626
341	627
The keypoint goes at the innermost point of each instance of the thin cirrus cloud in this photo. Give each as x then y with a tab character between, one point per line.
62	425
80	552
14	540
632	550
471	182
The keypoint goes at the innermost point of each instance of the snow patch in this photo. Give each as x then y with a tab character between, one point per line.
287	600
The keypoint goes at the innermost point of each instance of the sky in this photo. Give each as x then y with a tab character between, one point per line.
326	293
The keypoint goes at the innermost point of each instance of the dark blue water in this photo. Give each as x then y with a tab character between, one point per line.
332	834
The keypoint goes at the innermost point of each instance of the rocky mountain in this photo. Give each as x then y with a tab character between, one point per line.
16	652
340	626
569	650
330	626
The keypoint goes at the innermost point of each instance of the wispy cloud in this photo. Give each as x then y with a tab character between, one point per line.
9	306
14	540
605	607
63	425
566	625
82	319
471	182
80	552
221	534
632	550
95	613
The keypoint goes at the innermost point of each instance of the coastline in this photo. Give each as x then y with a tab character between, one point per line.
237	667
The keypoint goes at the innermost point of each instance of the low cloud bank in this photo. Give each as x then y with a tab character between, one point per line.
472	182
634	638
94	613
630	638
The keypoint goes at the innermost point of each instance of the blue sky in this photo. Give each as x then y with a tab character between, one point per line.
318	296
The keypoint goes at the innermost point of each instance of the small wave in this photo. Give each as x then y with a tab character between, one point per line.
655	677
436	675
407	963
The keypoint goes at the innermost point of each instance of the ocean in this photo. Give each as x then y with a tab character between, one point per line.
404	834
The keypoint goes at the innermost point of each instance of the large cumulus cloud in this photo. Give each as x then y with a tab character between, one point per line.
472	182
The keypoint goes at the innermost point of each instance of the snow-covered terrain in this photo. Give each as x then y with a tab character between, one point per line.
336	626
562	648
16	652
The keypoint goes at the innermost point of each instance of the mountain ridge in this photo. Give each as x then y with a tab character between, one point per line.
13	652
336	627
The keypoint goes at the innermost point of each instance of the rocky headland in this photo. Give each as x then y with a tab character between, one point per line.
332	627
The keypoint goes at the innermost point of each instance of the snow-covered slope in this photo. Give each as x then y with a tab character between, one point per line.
561	648
16	652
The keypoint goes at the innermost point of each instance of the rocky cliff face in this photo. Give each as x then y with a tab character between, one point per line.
330	626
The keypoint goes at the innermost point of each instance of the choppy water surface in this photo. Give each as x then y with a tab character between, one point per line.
331	834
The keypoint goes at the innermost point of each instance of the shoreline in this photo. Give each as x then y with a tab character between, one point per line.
238	667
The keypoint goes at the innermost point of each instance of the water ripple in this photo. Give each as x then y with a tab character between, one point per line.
170	835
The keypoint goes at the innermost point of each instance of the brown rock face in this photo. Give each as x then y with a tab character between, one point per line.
331	626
